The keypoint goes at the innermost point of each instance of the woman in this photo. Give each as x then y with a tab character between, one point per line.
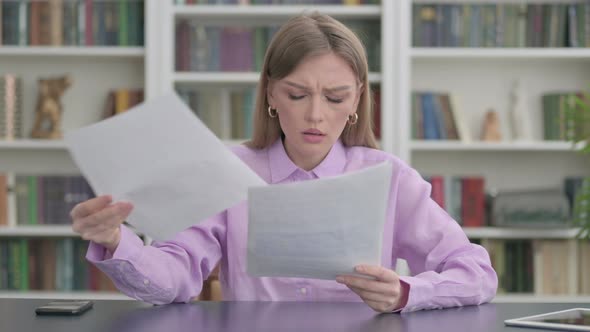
313	120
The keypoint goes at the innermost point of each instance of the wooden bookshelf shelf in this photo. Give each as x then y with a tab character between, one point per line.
526	54
224	78
532	146
274	12
519	233
73	51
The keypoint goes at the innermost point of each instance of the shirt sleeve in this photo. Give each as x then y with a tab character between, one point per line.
165	272
447	270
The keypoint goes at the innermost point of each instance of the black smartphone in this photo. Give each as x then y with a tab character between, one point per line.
64	307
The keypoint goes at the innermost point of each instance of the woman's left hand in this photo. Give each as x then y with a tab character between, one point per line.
383	294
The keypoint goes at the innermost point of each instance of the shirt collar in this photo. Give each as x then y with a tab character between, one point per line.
281	166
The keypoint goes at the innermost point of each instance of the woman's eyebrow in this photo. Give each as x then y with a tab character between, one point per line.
338	88
302	87
299	86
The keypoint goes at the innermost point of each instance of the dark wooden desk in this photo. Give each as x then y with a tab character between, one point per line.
126	316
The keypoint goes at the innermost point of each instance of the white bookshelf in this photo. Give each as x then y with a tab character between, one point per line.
517	146
231	78
480	79
95	70
32	144
216	12
37	231
73	51
519	233
499	54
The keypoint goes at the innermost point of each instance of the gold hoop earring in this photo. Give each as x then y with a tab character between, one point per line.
353	119
272	112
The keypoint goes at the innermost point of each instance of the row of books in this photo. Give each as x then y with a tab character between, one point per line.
121	100
41	199
277	2
542	267
200	48
49	264
11	125
227	113
242	49
72	23
562	117
466	200
48	199
513	262
501	25
11	107
463	198
436	116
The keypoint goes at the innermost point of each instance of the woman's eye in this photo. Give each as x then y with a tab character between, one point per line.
294	97
334	100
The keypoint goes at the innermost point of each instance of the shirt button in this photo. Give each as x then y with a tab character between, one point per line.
303	290
146	282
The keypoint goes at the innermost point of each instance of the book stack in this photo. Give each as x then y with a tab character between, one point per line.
10	107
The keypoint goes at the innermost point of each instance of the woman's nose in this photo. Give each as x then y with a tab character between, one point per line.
314	111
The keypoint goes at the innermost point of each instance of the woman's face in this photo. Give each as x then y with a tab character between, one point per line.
313	105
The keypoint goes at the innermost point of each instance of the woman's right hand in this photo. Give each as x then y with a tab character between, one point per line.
99	221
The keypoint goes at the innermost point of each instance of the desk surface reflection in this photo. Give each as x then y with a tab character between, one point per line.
131	316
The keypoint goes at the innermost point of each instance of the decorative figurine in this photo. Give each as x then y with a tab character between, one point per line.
49	108
491	127
520	124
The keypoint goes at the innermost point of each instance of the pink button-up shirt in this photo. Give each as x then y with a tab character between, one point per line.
447	270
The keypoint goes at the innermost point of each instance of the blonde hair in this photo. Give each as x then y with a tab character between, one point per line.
307	35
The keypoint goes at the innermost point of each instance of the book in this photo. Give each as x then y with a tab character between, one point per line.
11	113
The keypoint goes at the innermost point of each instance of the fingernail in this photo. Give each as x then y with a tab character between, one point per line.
359	268
129	207
340	279
125	207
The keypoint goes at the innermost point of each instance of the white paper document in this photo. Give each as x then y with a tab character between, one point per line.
160	157
320	228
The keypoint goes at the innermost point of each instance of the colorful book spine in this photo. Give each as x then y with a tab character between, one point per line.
10	107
